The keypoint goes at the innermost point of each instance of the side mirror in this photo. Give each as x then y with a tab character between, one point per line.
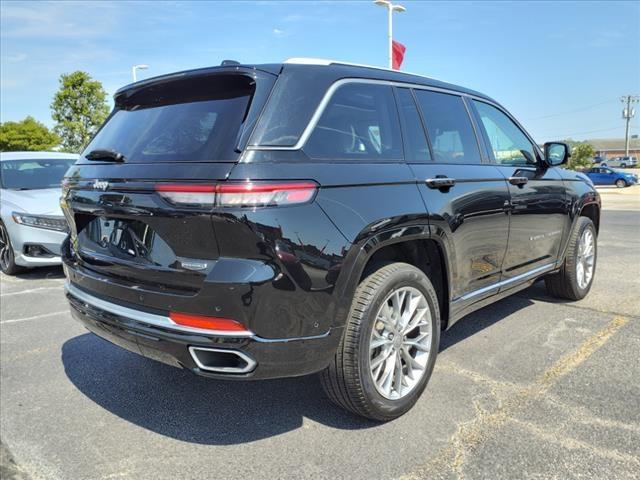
556	153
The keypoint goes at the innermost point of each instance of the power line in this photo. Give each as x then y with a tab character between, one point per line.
581	109
566	135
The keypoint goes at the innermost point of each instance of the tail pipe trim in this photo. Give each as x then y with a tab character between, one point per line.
222	360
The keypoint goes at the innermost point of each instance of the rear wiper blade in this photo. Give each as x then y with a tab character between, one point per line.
107	155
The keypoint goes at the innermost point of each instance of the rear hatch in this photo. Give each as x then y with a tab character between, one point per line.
186	129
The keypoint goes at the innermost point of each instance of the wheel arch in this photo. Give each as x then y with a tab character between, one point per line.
421	246
592	211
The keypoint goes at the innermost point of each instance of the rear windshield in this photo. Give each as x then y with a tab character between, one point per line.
193	119
33	174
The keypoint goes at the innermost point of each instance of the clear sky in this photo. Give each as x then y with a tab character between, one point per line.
560	67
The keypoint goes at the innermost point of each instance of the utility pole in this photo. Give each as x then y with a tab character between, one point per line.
628	113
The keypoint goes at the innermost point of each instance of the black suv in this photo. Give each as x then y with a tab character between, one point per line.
261	221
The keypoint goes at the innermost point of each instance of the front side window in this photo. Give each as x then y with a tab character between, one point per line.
510	146
450	130
33	174
360	122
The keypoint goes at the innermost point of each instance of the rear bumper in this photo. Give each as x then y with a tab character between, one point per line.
157	337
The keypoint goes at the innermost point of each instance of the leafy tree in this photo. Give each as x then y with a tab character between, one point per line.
581	155
79	107
26	135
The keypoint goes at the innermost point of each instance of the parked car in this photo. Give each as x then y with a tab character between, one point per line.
609	176
32	226
262	221
622	162
598	159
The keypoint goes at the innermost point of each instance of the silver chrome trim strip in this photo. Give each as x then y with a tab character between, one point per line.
144	317
329	93
166	322
251	363
503	283
334	86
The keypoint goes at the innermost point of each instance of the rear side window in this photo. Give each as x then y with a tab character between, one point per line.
417	149
191	119
450	131
360	122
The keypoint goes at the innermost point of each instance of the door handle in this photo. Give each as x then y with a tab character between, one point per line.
518	180
440	182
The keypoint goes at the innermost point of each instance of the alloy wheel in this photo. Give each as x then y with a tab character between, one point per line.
586	258
400	343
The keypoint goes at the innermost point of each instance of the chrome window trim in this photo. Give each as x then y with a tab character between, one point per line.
315	118
504	283
308	130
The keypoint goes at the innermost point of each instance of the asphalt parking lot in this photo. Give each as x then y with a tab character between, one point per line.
526	388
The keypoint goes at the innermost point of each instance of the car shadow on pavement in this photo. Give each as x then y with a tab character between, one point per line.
179	404
485	317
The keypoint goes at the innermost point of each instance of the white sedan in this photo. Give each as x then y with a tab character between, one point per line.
32	226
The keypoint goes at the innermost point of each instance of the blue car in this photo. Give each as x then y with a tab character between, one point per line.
609	176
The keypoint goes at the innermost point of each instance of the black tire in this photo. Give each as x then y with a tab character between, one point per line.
620	183
603	164
564	284
623	165
7	257
348	381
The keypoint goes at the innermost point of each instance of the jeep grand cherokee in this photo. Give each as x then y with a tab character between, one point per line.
261	221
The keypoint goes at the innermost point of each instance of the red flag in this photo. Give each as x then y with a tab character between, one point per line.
398	50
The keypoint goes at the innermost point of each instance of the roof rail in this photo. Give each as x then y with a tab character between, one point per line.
327	62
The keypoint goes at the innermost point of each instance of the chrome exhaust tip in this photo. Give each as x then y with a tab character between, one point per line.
221	360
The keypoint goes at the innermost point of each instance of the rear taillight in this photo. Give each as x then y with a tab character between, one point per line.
188	195
208	323
256	194
245	194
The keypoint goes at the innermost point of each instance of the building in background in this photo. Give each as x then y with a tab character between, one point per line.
614	147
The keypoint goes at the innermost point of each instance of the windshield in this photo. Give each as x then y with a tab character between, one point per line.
33	174
190	119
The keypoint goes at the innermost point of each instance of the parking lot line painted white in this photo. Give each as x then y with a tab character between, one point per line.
35	317
39	289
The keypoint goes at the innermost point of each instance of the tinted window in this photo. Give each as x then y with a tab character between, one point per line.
193	119
33	174
415	139
450	131
359	122
509	144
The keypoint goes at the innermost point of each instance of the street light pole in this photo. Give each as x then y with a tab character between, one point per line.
137	67
628	113
390	9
